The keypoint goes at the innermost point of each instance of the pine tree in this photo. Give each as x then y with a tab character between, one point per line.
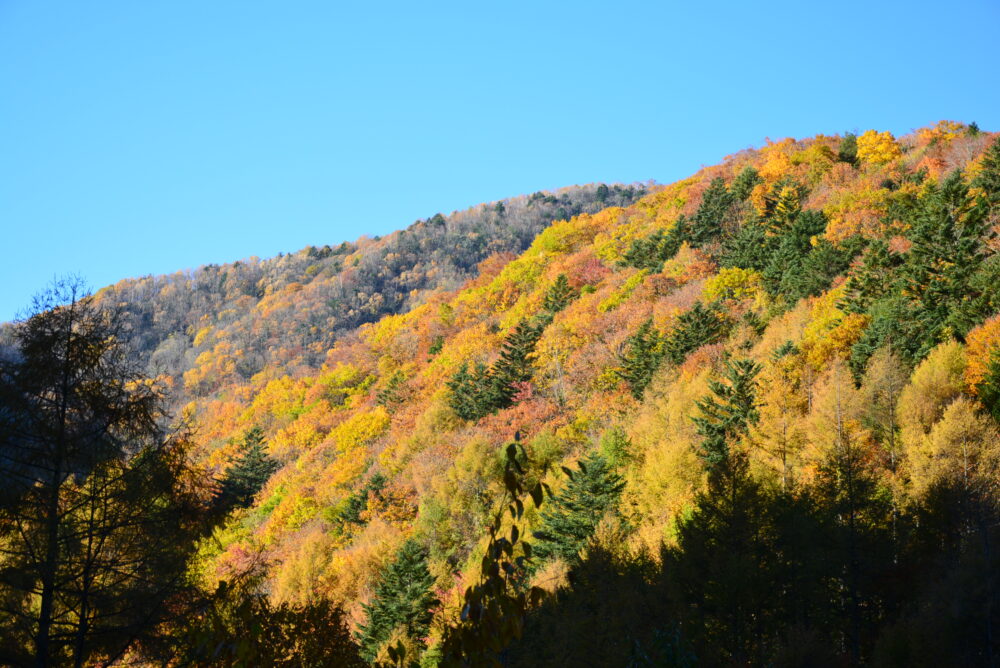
712	214
988	178
469	391
357	503
698	326
642	356
874	279
730	412
558	296
750	248
744	184
404	601
249	472
570	518
514	366
948	248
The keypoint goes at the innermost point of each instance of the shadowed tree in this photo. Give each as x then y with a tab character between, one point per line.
99	507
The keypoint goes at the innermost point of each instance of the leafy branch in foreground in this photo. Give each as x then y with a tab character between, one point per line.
495	607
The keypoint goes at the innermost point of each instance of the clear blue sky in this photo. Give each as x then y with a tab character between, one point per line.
146	137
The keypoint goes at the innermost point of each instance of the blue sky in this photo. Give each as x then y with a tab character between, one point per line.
147	137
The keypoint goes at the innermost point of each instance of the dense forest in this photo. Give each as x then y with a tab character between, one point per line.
748	418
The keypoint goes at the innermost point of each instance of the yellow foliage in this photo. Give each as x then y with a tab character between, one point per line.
961	445
777	162
856	211
830	332
941	131
736	284
982	344
878	148
935	383
620	295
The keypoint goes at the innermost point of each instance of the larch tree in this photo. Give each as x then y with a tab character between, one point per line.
100	508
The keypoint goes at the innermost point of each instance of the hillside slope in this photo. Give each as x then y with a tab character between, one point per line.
804	328
285	312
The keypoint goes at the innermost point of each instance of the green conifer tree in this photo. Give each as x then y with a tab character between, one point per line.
249	472
404	601
642	356
729	410
514	366
570	518
558	296
712	214
948	236
988	178
744	183
696	327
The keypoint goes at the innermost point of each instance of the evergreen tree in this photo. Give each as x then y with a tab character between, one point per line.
816	271
651	252
730	412
642	356
750	248
249	473
723	564
572	515
744	184
467	391
988	178
558	296
404	601
357	503
712	214
514	366
875	278
948	236
848	151
394	393
696	327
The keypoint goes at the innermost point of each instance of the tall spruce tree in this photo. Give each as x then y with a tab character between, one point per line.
514	365
696	327
948	235
251	470
729	411
404	601
572	515
641	358
713	213
558	296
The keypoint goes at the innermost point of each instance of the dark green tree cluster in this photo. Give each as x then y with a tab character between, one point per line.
357	503
718	213
945	284
645	350
651	252
572	515
480	390
785	245
404	602
394	393
696	327
729	411
248	474
641	358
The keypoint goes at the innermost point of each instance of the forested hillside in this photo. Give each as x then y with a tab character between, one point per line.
285	312
748	418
